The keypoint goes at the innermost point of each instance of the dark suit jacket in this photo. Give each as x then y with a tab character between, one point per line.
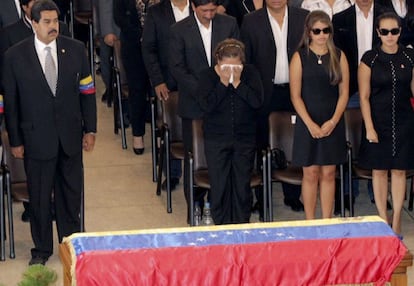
126	17
8	13
257	35
36	119
187	57
155	43
345	37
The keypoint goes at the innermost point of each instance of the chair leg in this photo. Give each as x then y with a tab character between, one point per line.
91	49
161	162
342	194
2	224
168	170
410	201
265	181
120	111
267	194
72	19
191	184
7	183
351	191
82	206
153	140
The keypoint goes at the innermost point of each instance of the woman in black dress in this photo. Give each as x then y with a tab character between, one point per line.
385	78
319	80
230	93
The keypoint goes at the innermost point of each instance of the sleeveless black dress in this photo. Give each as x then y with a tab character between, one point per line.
391	111
320	98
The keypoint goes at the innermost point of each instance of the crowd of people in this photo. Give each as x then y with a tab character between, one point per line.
233	62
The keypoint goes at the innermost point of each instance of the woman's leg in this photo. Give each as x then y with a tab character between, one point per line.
398	189
327	189
310	189
380	185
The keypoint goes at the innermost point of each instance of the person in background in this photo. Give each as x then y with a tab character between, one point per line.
155	50
319	140
50	113
10	12
386	85
191	45
354	34
129	15
270	49
330	7
239	8
230	95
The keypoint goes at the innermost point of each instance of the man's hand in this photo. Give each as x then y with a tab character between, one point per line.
18	152
109	39
88	142
162	91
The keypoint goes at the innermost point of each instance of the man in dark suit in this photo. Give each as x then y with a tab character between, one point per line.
354	34
270	49
15	33
9	12
155	50
50	116
192	44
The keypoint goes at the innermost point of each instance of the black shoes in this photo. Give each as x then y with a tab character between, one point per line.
25	216
38	260
295	204
139	151
173	184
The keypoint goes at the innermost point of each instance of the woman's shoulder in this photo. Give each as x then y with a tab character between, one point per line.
370	56
408	53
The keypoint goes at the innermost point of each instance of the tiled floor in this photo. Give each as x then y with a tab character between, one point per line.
120	195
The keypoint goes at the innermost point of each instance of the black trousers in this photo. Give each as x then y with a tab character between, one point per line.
138	84
279	101
187	131
63	175
230	164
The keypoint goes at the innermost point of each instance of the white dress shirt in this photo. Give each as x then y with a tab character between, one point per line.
400	8
364	27
41	53
282	60
18	8
206	37
339	6
181	14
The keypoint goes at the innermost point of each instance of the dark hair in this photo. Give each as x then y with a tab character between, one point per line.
24	2
43	5
204	2
334	62
388	15
230	48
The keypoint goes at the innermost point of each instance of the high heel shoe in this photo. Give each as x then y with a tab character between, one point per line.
139	151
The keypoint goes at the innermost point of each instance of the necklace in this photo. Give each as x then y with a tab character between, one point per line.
319	59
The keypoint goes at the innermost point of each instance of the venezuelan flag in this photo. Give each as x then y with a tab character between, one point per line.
1	104
86	85
317	252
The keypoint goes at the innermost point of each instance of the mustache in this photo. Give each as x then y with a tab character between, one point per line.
52	31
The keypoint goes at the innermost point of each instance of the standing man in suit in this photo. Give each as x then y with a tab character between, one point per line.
9	12
192	43
50	116
155	50
354	34
15	33
270	49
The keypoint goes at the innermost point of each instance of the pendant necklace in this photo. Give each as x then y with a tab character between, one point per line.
319	59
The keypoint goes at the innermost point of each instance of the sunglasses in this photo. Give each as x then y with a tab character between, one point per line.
326	30
394	31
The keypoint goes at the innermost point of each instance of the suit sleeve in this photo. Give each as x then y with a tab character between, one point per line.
210	91
150	50
87	96
11	100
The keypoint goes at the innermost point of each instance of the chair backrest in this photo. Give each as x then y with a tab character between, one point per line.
199	156
281	131
82	6
171	118
118	62
16	166
353	129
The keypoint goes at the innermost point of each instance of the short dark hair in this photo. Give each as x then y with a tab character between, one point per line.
43	5
204	2
24	2
388	15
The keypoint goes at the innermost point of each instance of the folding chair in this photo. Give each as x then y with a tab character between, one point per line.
121	91
199	170
156	132
171	142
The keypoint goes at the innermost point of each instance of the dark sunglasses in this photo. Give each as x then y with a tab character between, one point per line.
326	30
394	31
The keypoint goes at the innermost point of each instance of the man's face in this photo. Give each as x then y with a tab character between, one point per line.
28	9
276	4
205	13
363	4
47	29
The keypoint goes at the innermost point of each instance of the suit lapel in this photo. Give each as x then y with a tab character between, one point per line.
196	35
62	61
168	12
